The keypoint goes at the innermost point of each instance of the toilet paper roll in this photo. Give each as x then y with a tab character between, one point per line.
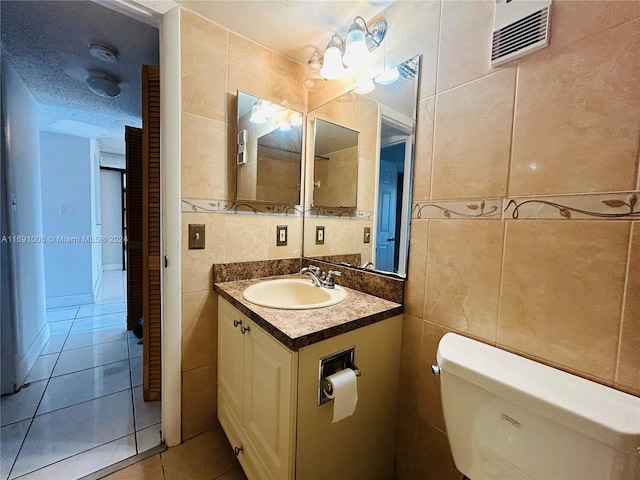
345	393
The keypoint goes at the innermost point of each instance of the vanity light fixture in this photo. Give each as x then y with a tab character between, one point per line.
313	79
296	119
332	67
257	113
388	76
353	52
356	52
364	86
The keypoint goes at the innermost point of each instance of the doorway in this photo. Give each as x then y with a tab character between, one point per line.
75	326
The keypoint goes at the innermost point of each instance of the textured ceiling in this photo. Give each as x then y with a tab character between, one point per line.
46	42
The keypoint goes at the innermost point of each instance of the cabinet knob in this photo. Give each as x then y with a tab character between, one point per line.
244	330
237	322
237	450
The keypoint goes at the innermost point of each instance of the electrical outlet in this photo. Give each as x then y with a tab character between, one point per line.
281	235
320	235
367	235
196	236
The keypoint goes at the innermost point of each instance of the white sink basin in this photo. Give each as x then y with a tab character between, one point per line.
293	294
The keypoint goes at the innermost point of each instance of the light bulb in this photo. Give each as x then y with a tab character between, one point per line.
388	76
364	86
313	79
332	68
356	52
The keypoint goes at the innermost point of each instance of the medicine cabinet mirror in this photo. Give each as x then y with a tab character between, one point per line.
335	165
269	152
373	233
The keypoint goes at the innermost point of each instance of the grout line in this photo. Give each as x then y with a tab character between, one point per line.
624	301
502	268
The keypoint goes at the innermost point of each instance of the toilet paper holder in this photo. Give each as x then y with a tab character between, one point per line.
332	364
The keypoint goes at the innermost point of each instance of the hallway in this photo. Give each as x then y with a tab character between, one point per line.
82	407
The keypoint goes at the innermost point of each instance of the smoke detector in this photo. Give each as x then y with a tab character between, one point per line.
104	52
520	27
103	84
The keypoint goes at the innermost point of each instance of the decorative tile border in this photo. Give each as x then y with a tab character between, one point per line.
600	206
466	209
346	213
229	207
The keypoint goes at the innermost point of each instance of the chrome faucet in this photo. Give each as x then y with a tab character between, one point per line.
319	278
329	282
367	265
315	274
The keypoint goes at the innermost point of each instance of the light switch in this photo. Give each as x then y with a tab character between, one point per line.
281	235
367	235
320	235
196	236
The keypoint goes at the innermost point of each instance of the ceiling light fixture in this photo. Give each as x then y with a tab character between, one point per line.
103	51
355	52
103	84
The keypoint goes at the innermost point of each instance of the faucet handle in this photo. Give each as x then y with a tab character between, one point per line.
329	282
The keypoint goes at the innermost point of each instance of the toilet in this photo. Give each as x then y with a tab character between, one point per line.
511	418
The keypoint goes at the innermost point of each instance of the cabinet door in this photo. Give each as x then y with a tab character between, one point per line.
268	413
230	359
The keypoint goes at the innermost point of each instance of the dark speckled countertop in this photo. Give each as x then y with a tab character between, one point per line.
297	328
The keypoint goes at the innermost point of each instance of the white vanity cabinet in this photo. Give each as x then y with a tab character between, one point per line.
268	401
256	395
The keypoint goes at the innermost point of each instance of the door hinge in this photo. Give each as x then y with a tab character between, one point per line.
166	262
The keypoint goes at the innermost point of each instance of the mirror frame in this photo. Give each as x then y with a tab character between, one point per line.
313	213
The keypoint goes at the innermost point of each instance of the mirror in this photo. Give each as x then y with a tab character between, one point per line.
335	165
269	152
373	233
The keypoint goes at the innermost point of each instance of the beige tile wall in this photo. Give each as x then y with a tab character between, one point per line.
562	121
216	63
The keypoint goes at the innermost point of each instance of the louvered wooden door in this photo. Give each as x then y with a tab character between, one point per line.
151	282
133	215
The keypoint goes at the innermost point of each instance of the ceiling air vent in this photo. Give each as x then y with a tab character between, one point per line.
519	27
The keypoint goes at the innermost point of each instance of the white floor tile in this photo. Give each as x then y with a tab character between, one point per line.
72	430
60	328
43	367
100	321
149	437
136	371
87	462
11	438
101	309
145	413
21	405
135	348
91	356
94	337
64	313
54	345
86	385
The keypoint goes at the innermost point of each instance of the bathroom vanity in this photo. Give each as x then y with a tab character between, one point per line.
270	379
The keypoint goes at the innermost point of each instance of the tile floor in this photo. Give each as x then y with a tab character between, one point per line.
205	457
83	408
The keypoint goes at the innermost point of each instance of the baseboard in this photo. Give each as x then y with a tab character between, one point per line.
70	300
26	362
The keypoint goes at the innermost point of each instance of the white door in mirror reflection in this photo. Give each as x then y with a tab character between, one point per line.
388	223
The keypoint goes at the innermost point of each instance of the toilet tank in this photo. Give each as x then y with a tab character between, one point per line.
511	418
